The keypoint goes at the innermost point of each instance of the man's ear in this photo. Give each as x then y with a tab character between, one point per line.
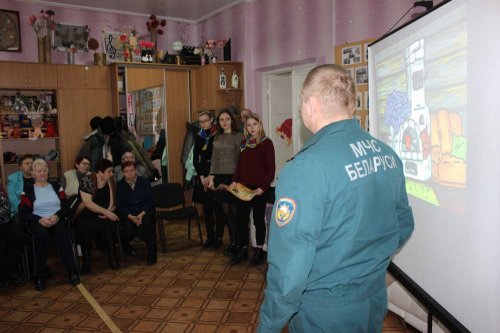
314	105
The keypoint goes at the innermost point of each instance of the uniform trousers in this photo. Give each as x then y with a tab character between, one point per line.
346	309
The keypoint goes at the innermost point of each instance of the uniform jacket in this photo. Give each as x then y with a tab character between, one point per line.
341	212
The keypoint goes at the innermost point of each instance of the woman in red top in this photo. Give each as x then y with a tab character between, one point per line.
255	170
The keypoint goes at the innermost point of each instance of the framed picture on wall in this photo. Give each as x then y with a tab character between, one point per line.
361	75
351	55
65	35
359	101
10	31
113	52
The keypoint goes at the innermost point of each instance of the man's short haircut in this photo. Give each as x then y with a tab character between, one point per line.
102	164
333	86
129	163
25	157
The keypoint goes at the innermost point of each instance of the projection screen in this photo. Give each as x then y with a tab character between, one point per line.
434	98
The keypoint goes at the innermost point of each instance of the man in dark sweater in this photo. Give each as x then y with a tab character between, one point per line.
135	206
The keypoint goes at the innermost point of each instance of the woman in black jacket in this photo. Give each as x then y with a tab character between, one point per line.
44	210
202	156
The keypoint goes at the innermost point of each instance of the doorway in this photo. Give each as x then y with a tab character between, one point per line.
281	111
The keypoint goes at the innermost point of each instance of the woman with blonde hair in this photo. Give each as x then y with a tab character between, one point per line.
255	169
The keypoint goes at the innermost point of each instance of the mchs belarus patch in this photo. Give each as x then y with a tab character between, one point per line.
285	209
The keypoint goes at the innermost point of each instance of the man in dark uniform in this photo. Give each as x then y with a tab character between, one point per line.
341	212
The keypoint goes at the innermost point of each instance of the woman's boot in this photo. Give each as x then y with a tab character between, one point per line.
257	257
241	254
113	263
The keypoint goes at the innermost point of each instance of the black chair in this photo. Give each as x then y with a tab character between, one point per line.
167	198
24	263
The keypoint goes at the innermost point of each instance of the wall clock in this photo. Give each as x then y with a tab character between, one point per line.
10	31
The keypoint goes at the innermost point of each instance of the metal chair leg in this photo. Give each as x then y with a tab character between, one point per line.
26	263
119	239
199	230
161	231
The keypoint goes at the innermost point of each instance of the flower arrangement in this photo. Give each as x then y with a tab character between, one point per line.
43	23
128	42
208	49
145	45
154	25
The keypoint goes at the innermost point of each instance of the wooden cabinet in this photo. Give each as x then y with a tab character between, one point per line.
206	91
84	92
177	100
19	75
78	107
89	77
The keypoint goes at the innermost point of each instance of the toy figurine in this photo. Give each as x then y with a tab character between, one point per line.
37	128
51	130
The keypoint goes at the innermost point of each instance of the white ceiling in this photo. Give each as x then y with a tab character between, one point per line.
191	11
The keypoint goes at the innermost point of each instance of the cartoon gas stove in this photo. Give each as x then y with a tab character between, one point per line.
414	135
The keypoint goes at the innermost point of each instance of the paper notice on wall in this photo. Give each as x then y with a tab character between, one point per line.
147	105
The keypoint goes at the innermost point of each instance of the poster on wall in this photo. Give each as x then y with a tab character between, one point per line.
145	112
110	41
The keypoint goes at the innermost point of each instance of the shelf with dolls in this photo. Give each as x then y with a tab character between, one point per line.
28	125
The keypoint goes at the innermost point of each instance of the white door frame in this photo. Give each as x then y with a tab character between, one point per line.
295	100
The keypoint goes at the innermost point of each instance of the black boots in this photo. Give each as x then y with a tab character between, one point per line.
208	242
213	243
240	254
258	257
113	263
74	279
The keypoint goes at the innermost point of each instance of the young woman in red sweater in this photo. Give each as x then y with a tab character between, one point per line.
255	170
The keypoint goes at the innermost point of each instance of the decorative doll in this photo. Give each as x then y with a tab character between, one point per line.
234	80
37	124
51	130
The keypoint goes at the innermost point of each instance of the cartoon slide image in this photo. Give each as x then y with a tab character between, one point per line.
431	144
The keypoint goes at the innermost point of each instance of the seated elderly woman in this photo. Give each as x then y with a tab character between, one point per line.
43	209
135	206
97	220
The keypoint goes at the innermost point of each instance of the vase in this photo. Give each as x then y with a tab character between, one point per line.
100	59
203	60
70	57
41	50
154	39
47	49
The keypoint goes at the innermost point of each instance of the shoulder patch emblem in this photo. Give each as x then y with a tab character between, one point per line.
285	210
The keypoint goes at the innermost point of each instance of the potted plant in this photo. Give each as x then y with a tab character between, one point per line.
99	57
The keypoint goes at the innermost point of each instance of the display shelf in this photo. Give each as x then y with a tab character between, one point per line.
229	89
30	139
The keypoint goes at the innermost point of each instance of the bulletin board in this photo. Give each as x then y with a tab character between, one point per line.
354	58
